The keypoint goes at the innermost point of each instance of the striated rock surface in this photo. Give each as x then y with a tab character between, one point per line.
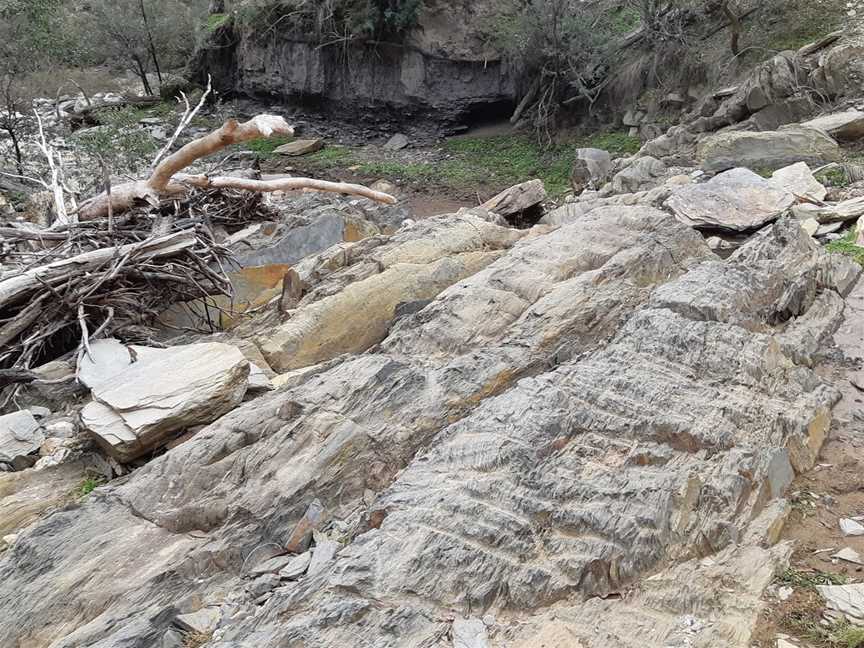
595	407
766	149
20	438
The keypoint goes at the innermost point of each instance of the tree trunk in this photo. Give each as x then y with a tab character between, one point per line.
141	71
151	45
734	26
19	158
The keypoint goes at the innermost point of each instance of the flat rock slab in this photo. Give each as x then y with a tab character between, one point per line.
847	600
146	403
20	436
766	149
300	147
847	210
736	200
799	180
846	125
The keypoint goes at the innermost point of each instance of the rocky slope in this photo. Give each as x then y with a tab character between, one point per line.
580	413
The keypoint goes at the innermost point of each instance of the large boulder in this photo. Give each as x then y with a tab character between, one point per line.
20	438
845	125
737	200
513	202
766	149
144	404
840	71
591	169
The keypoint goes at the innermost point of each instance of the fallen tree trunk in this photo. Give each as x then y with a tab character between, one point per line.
125	196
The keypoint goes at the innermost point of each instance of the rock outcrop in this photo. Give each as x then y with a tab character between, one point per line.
439	71
590	405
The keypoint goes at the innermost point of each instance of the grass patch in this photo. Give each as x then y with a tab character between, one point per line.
488	162
834	178
215	21
264	148
847	636
809	580
846	245
624	20
87	486
803	22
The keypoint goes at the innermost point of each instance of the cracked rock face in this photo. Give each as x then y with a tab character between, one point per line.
594	408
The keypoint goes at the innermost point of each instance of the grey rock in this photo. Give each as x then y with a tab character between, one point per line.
737	200
591	169
841	212
397	142
469	633
641	174
182	386
517	199
296	567
20	438
272	565
798	180
850	527
263	585
845	125
300	147
203	621
845	600
323	553
560	425
768	149
108	358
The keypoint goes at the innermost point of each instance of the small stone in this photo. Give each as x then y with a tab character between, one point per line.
263	585
469	633
296	567
325	550
397	142
811	226
784	593
204	621
20	437
851	527
300	147
301	536
849	555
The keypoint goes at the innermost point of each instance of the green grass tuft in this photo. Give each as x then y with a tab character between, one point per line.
87	486
846	245
264	148
215	21
809	580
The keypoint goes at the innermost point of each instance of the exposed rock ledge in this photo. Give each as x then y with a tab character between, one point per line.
441	70
604	406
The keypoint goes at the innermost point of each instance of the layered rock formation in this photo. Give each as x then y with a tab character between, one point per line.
586	409
439	70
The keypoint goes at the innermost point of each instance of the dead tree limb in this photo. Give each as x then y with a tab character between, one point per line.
17	287
284	184
124	197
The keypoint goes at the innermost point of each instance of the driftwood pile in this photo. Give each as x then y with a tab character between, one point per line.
109	267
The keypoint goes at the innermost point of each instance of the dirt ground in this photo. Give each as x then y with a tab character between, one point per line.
834	489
